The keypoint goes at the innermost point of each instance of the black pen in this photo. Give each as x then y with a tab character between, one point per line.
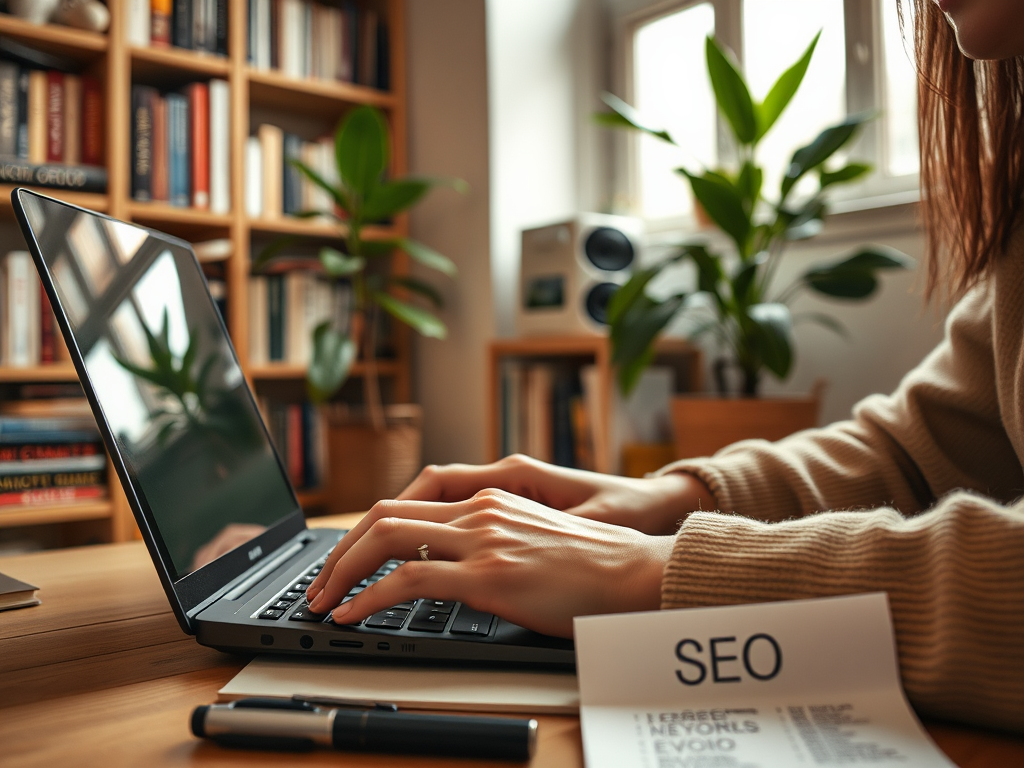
301	725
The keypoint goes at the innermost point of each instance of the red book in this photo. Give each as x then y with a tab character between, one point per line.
295	459
92	122
33	451
52	495
199	111
54	117
47	340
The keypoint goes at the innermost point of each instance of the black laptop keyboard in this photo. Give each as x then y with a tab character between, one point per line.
423	615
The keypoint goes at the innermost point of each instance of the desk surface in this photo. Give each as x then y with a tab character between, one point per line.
100	674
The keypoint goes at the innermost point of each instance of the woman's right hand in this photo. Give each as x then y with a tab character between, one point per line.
654	505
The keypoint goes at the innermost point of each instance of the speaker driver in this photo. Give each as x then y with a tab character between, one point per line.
609	249
596	301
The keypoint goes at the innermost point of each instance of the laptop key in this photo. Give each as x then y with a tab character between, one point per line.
283	605
272	613
304	614
470	622
428	621
299	586
293	596
406	606
438	606
382	621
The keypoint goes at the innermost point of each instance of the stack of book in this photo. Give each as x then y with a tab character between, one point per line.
273	185
338	41
28	330
297	430
51	129
181	146
50	460
285	308
196	25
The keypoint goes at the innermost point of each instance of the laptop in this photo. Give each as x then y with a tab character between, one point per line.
209	492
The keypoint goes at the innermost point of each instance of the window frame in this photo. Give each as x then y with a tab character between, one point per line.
865	91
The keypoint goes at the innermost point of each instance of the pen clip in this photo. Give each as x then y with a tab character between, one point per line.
338	702
268	703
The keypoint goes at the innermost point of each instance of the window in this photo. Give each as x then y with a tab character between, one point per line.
861	63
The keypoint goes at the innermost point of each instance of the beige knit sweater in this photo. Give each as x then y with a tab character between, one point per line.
928	481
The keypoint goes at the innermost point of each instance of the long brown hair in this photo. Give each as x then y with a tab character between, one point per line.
971	123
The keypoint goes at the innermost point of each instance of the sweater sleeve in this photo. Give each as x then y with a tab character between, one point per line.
941	430
953	576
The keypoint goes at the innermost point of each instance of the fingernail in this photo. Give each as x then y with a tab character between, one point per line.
341	612
315	603
312	591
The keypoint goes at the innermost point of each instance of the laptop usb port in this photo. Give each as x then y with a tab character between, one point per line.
347	643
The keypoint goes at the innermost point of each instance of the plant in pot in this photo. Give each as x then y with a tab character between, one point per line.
375	451
736	299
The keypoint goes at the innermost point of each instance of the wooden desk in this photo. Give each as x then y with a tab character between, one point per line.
101	675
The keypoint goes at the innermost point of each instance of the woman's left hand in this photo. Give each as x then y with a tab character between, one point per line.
496	552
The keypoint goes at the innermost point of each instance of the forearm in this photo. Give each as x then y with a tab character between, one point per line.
953	577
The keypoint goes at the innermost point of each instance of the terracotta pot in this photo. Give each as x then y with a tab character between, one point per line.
365	465
703	424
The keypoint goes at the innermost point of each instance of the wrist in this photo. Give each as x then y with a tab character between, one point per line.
680	494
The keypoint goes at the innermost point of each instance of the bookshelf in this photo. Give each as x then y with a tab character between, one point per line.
256	95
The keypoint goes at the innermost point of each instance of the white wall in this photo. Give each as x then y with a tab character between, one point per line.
448	136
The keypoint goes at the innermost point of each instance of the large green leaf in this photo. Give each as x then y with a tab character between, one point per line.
336	194
361	149
772	336
625	116
418	319
853	277
808	221
428	257
391	197
783	90
826	144
417	286
634	335
745	279
633	290
848	172
724	205
338	264
333	355
709	268
748	182
272	251
731	93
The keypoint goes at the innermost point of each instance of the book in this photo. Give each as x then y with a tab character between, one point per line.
139	23
276	313
220	146
16	594
181	34
272	148
160	188
37	116
178	167
258	320
92	123
61	464
54	117
221	28
72	119
23	431
81	178
25	452
8	109
199	117
21	310
253	178
160	23
142	142
48	496
291	179
47	330
23	89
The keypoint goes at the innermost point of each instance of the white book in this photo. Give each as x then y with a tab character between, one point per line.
293	45
259	320
220	146
298	297
22	298
253	178
139	23
263	33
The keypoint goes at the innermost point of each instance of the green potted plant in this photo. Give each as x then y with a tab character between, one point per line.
376	451
748	315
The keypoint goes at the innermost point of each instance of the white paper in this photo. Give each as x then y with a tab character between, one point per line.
776	685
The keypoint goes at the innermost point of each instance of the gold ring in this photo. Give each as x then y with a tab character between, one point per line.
424	551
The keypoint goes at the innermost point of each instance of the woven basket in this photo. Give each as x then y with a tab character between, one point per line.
366	465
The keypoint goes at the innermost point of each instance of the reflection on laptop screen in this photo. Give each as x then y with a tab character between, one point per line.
167	381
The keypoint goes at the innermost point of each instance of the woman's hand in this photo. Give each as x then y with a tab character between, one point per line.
499	553
651	505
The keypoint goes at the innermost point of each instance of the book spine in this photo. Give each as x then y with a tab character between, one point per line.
310	479
139	23
221	36
276	310
160	23
142	143
18	308
250	50
220	146
54	117
383	57
272	146
198	25
290	177
37	116
295	454
23	133
42	451
264	32
160	188
92	122
258	319
273	31
47	323
253	178
182	32
72	119
63	495
8	109
80	178
177	150
29	481
199	107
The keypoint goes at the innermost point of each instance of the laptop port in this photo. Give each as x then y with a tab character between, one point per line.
383	646
267	639
306	642
347	643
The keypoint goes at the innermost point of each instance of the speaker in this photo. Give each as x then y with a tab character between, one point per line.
569	271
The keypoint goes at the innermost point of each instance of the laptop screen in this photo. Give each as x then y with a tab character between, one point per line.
166	379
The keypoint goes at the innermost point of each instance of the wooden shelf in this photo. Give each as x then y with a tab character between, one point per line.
289	225
57	372
77	44
91	200
187	223
286	371
316	497
269	88
160	65
59	513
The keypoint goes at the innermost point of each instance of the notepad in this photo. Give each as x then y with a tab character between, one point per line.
16	594
475	690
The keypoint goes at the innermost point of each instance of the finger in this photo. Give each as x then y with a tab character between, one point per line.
412	580
431	511
390	538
